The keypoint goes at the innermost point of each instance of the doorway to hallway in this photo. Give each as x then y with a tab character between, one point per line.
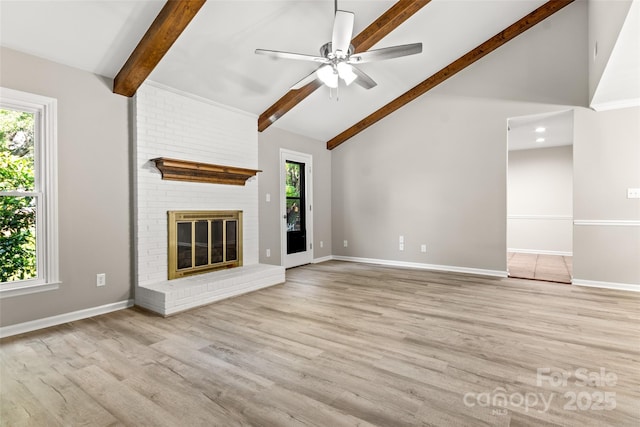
540	196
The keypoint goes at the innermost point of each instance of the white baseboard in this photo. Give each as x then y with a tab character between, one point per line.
607	285
449	268
323	259
539	252
34	325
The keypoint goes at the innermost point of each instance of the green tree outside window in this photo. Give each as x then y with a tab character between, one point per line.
17	213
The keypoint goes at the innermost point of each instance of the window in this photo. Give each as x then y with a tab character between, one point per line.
28	199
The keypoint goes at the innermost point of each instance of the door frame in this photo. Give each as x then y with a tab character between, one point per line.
551	113
305	257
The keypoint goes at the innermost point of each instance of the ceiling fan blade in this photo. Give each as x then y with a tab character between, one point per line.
305	80
363	79
342	31
386	53
276	54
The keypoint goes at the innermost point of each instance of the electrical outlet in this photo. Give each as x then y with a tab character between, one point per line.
401	247
321	244
423	248
101	279
268	253
345	243
633	193
401	239
268	197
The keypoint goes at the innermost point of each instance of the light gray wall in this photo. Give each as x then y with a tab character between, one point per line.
435	171
269	144
606	18
606	163
94	187
540	200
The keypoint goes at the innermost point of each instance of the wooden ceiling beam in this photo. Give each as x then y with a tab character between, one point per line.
386	23
376	31
163	32
456	66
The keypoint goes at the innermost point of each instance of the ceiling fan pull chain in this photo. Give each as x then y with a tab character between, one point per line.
337	88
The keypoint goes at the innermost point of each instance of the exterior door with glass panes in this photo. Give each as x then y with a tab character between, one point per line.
297	230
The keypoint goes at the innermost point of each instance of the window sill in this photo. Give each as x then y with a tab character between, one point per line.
8	291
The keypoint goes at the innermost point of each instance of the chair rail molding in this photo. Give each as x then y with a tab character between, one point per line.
608	222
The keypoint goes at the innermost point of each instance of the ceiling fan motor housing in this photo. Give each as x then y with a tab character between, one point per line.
327	51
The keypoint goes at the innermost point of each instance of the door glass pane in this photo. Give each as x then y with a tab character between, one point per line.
296	207
293	215
202	243
232	240
184	245
216	241
293	179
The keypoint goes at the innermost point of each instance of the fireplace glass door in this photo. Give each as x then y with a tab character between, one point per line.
201	241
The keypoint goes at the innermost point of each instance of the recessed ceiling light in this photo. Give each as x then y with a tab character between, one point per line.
540	129
540	140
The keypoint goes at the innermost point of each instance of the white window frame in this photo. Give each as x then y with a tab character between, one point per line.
46	190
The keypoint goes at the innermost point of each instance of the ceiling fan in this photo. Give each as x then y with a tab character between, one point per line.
338	59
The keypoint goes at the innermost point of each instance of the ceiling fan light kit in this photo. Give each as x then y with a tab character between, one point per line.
345	71
328	75
338	57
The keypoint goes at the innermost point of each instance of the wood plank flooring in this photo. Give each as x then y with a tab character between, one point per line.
549	268
342	344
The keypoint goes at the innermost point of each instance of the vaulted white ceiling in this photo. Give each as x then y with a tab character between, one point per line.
214	57
96	36
619	85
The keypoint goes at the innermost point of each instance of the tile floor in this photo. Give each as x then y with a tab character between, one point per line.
550	268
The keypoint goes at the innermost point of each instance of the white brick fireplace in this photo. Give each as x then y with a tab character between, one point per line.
181	126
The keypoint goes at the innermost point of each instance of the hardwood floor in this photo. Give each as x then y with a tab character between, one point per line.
549	268
342	344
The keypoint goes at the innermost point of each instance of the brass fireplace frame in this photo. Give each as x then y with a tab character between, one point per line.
176	217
